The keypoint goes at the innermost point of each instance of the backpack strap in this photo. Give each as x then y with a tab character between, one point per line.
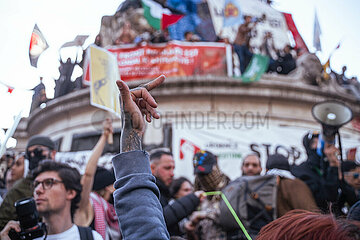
85	233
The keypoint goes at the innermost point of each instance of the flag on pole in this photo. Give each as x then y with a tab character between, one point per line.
299	41
10	89
317	33
326	66
232	13
38	45
9	133
104	72
159	17
256	68
326	70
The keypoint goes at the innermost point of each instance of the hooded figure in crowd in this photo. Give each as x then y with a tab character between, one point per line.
319	173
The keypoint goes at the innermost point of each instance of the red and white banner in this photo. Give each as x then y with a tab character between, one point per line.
171	59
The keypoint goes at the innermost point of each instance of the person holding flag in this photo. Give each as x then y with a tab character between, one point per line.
241	43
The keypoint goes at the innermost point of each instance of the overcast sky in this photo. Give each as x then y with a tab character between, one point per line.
61	21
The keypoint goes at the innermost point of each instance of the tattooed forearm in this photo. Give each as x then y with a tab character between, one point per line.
130	138
130	141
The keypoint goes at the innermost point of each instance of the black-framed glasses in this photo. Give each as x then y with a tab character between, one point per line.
46	183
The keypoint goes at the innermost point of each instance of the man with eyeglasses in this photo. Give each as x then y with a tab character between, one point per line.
57	188
38	148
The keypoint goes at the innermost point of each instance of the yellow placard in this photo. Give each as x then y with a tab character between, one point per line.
104	72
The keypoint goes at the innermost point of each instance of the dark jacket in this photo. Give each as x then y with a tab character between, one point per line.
21	189
177	210
165	195
346	199
136	198
320	177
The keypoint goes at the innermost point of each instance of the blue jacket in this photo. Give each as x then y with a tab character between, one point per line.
136	198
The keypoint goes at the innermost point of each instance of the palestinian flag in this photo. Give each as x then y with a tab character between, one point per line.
158	16
38	45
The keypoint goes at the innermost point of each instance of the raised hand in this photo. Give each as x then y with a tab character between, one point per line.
135	104
107	127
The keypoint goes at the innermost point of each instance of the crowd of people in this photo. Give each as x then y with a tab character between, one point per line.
351	84
282	61
139	198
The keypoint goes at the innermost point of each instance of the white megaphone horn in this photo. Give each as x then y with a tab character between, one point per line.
332	115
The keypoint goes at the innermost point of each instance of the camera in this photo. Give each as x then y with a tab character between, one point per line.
29	221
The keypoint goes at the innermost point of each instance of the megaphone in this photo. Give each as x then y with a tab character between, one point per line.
332	115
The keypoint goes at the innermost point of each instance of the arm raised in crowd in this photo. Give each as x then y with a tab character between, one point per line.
136	196
85	213
331	183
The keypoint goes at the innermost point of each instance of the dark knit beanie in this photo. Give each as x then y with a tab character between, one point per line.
41	140
347	166
103	178
278	161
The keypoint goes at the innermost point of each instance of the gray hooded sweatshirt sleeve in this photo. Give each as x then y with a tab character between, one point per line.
136	198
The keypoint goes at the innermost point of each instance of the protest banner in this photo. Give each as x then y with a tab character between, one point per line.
172	59
268	20
232	141
103	73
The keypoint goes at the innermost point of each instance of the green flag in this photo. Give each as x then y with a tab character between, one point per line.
256	68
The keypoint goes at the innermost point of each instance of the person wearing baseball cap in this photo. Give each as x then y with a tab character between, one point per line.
208	176
204	162
38	148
